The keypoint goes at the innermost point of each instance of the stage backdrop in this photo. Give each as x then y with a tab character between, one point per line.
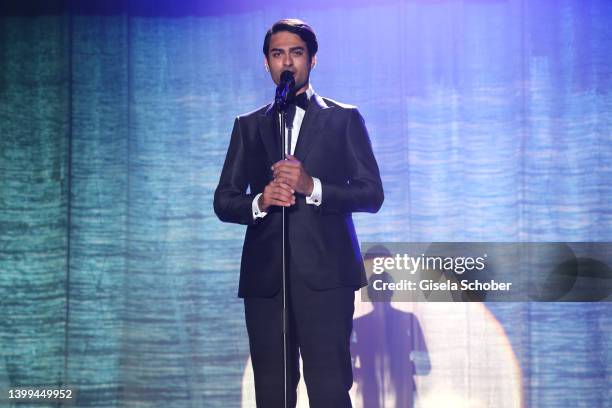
490	120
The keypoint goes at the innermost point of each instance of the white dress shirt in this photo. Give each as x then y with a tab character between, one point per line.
317	195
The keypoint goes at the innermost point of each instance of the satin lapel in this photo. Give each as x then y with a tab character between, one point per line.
314	120
268	133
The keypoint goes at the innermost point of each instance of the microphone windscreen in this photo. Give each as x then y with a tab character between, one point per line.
287	78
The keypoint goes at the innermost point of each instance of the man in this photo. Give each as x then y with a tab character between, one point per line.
331	173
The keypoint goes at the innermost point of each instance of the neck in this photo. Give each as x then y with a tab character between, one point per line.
303	89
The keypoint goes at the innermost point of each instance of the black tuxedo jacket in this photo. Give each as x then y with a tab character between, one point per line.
333	145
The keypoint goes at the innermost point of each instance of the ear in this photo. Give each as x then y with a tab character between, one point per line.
313	62
266	64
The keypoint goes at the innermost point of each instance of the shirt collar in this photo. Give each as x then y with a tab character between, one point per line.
309	91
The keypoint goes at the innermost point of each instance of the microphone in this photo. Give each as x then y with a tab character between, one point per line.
284	89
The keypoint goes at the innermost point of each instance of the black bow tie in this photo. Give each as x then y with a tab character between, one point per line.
300	100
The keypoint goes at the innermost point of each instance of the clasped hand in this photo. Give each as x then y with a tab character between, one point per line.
289	177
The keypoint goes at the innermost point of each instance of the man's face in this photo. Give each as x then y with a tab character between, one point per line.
288	52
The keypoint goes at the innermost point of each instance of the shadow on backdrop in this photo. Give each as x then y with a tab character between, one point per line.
388	349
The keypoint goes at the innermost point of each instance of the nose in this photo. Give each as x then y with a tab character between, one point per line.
287	60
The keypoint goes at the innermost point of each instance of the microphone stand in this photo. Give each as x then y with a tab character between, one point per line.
283	133
287	82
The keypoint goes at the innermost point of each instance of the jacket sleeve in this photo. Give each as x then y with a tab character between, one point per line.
231	202
363	190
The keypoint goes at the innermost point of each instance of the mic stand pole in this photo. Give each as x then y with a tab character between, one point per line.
283	130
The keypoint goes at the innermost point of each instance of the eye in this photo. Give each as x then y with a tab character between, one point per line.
299	53
275	54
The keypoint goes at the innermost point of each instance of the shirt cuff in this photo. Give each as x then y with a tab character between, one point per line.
317	194
255	208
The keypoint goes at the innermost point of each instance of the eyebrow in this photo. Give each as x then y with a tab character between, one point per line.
290	49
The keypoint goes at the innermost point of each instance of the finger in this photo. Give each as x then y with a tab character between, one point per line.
279	203
287	164
282	198
278	163
281	195
289	169
284	195
277	182
290	183
284	191
285	179
281	184
287	173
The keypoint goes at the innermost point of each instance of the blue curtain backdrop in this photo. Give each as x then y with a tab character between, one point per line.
491	121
